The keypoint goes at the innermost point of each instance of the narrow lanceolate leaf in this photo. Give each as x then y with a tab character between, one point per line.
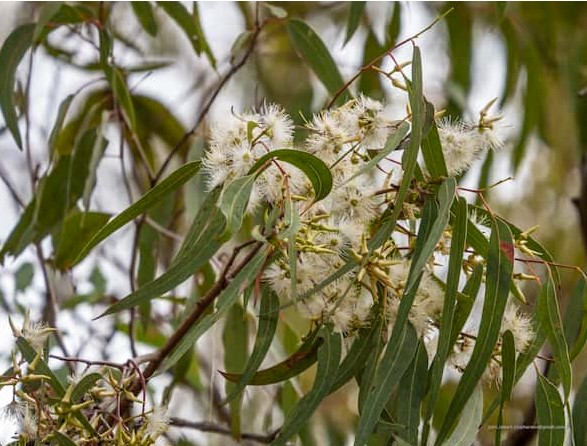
457	248
314	168
225	300
61	113
580	415
499	276
122	95
77	229
411	392
12	52
146	202
550	322
83	386
313	51
268	316
465	303
41	367
328	360
432	152
355	13
550	413
300	361
410	157
201	243
234	199
465	431
390	371
391	144
508	367
46	14
144	14
575	321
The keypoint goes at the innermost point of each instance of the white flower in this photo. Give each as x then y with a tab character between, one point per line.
519	324
35	333
157	422
278	126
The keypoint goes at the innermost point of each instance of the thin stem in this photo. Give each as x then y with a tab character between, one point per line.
205	426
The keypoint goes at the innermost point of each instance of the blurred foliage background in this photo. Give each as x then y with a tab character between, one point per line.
531	56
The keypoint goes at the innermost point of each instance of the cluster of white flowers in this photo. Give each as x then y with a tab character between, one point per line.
339	226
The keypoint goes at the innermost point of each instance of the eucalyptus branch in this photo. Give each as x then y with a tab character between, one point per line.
205	426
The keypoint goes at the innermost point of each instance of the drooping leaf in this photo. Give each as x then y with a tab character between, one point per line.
77	229
41	367
508	366
465	432
144	14
13	50
201	243
355	13
499	276
580	415
411	392
235	340
328	360
24	276
46	14
575	321
123	97
234	199
390	370
313	51
268	316
550	322
457	248
300	361
61	113
432	151
224	301
146	202
550	413
317	172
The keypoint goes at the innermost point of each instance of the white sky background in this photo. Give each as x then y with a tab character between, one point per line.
222	23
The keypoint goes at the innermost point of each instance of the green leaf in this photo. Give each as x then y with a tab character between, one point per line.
393	27
328	359
313	51
355	13
300	361
201	243
432	151
57	193
77	229
550	413
12	52
83	386
235	340
190	25
575	321
389	373
580	415
550	322
225	300
465	302
233	201
499	276
144	14
122	95
24	276
317	172
411	392
41	367
268	316
508	365
61	113
62	439
393	141
275	11
47	12
457	248
146	202
465	432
